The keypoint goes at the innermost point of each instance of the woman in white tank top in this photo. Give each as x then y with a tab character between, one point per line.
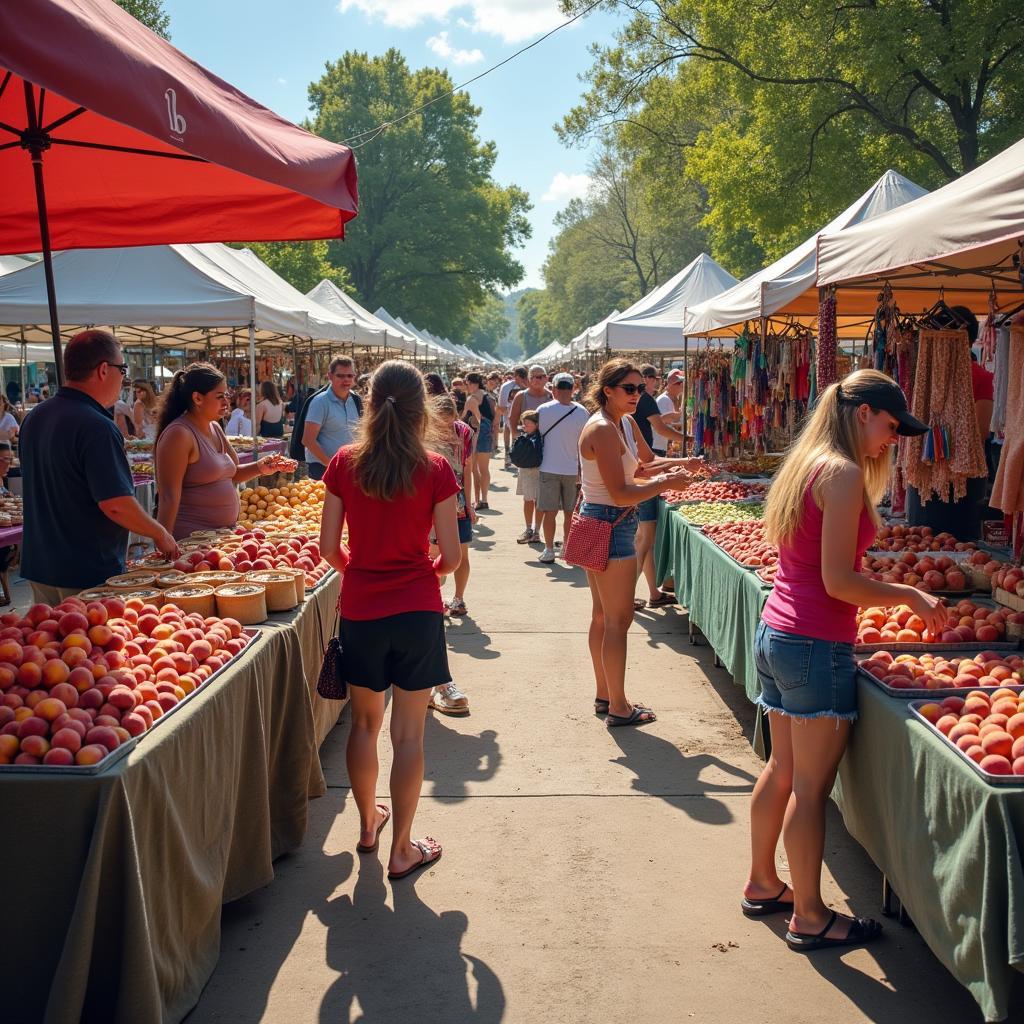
618	471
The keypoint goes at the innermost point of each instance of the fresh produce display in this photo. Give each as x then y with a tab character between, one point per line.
759	465
745	542
986	725
11	511
966	623
708	512
989	669
717	490
923	572
767	573
299	503
1010	578
918	538
81	679
982	567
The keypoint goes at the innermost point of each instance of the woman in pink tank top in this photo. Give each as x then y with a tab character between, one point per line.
821	512
197	470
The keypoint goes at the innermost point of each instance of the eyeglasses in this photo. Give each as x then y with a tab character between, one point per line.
632	389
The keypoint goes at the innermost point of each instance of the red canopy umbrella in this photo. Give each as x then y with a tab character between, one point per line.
109	136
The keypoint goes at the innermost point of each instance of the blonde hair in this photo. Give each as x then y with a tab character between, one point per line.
149	399
531	416
829	439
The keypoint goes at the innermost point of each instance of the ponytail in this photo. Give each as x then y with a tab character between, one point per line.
176	399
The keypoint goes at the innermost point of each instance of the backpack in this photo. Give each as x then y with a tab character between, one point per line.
527	450
296	449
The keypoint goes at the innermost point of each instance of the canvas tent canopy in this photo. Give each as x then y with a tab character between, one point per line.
788	287
330	296
655	322
170	295
424	348
963	238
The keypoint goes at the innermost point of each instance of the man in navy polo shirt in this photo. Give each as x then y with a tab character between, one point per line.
78	493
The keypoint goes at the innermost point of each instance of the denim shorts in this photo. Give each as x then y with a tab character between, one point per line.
805	678
485	438
649	509
623	542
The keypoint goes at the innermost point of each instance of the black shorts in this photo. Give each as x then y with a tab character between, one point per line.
406	650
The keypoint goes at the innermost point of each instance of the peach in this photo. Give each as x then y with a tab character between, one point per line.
9	745
10	651
37	746
1015	725
998	742
122	698
92	698
92	753
66	693
33	725
1005	706
103	735
72	621
59	756
51	708
55	671
996	764
966	741
6	714
81	679
76	640
30	675
8	675
962	729
101	635
134	724
39	613
33	698
167	701
144	713
976	705
69	738
975	753
74	657
155	708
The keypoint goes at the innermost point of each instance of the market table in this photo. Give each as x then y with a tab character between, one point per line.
10	535
724	600
948	843
116	880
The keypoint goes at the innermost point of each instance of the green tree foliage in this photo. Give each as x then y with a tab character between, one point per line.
530	337
435	232
783	113
302	264
489	325
627	236
151	13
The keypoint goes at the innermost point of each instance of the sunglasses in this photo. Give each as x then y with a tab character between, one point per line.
123	367
632	389
539	376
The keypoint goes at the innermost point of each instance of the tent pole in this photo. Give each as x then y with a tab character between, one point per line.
252	391
686	387
35	149
24	367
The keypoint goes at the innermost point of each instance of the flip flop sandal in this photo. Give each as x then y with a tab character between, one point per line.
601	707
762	908
380	828
662	600
862	931
638	716
431	855
639	604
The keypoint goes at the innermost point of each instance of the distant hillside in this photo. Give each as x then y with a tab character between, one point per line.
510	345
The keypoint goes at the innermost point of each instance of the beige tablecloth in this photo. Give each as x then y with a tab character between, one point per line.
113	883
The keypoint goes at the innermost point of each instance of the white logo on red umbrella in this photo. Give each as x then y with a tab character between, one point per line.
176	122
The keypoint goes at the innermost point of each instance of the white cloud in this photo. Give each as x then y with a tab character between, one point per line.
511	20
440	45
282	81
564	187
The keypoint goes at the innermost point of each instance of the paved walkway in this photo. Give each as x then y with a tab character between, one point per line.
590	876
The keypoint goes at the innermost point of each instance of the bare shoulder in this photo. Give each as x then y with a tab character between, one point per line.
841	480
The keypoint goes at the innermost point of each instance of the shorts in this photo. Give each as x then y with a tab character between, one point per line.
803	677
528	484
316	470
406	650
557	492
465	530
485	437
649	509
623	539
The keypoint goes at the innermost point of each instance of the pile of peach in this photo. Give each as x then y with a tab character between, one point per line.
717	490
918	538
921	571
933	672
966	623
744	541
1010	578
987	727
80	679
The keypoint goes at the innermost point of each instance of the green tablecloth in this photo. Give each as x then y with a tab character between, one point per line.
949	843
114	882
724	600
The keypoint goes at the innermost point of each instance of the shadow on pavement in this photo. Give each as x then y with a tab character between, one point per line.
454	759
466	637
664	771
402	964
558	571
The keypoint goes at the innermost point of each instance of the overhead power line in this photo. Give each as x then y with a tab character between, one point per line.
371	134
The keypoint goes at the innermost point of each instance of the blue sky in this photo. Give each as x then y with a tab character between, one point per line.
273	50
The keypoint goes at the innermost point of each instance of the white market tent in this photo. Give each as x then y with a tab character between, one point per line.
555	352
787	286
655	322
330	296
169	295
8	264
590	339
963	238
424	346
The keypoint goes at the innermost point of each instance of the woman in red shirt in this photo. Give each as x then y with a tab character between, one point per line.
391	491
821	513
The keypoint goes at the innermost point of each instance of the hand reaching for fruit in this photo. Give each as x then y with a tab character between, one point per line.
167	545
929	608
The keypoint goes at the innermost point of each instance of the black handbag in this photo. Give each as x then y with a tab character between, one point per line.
527	451
331	683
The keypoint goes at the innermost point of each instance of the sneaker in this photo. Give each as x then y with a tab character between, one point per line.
456	607
526	537
449	700
547	556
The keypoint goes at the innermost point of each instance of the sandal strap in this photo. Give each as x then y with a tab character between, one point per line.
831	921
